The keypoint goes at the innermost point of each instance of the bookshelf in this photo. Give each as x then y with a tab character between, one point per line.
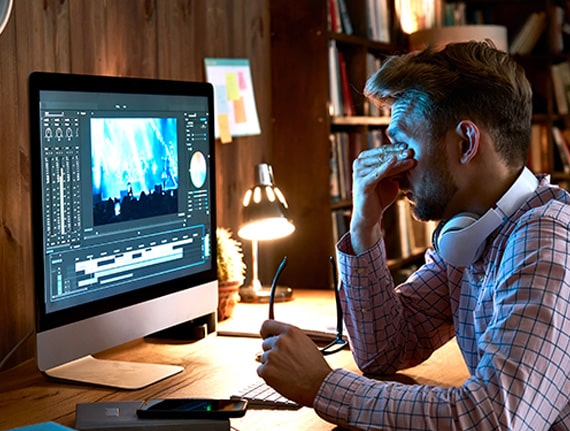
304	118
304	122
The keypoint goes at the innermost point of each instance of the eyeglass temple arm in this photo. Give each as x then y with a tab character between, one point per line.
280	269
339	316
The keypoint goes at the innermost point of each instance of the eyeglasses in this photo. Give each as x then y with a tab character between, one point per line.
339	342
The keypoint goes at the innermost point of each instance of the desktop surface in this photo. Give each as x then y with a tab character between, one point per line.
216	367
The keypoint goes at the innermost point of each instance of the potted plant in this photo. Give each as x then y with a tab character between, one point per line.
231	271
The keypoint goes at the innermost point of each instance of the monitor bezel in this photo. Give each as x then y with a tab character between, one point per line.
52	81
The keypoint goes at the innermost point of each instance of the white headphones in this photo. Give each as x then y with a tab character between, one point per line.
461	239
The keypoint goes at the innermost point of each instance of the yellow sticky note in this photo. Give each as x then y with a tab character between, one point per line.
232	87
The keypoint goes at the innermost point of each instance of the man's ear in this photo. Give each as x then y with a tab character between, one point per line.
469	134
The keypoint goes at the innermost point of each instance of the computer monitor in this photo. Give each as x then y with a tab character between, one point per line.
123	215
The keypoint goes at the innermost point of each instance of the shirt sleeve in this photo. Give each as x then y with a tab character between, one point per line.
356	402
392	328
521	379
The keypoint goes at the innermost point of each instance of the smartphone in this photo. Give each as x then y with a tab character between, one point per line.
192	408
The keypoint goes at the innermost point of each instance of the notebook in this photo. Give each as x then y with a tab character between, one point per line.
315	315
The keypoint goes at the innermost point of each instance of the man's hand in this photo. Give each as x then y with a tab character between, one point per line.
374	189
291	363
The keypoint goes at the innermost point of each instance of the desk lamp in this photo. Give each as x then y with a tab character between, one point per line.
265	217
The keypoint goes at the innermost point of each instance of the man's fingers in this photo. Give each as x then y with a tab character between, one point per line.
272	327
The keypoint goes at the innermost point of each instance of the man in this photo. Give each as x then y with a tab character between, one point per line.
498	279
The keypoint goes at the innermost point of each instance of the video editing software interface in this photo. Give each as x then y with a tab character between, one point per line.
126	192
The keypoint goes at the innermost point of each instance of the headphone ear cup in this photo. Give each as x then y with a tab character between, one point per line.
461	239
447	237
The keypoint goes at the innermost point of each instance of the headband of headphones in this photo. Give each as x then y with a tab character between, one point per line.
461	239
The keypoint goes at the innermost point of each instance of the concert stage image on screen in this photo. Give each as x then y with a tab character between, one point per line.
134	168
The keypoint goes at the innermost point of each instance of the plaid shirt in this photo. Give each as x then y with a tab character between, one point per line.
510	312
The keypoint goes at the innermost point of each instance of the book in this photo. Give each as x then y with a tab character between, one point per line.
563	148
454	14
538	149
340	223
561	84
122	416
333	17
376	138
344	166
344	148
334	182
537	29
373	63
564	71
559	88
384	21
345	17
371	22
527	37
556	39
347	102
335	107
378	20
522	34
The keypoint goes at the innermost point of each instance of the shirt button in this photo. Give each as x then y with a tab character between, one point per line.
360	271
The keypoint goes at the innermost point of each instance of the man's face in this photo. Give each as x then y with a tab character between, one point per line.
429	186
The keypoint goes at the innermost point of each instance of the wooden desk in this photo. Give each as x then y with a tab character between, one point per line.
217	366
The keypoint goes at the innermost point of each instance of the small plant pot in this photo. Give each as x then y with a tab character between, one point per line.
228	297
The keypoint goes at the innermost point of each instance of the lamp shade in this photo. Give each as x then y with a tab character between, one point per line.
5	11
265	209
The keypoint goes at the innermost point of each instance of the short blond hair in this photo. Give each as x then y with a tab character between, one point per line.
471	80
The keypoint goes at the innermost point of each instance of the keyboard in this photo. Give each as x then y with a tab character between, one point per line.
260	395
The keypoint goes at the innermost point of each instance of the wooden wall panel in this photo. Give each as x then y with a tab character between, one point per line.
146	38
113	37
188	31
299	105
42	28
15	306
180	32
24	47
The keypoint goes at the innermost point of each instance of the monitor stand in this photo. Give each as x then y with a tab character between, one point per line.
116	374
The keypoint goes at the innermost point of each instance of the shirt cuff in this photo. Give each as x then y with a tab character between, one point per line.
355	269
333	400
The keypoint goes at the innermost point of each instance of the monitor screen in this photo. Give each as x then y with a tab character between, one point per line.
123	210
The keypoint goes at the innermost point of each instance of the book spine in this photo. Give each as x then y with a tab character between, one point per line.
347	102
334	174
559	89
345	17
522	34
537	28
538	151
334	80
333	17
556	39
563	150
